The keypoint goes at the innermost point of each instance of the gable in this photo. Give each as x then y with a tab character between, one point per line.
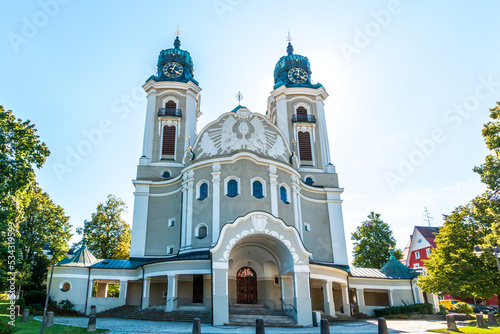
241	131
418	241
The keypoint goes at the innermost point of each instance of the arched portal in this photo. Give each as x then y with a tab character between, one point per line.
246	286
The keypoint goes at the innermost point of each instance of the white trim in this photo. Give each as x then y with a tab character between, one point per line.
264	186
70	275
306	128
216	173
387	288
163	124
307	227
302	104
165	99
198	185
167	194
170	249
220	265
171	222
62	284
229	178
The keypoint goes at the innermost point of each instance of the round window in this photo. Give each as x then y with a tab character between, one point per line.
65	286
165	173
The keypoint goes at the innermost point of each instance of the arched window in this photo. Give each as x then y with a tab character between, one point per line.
284	195
232	188
309	181
203	191
170	105
305	152
257	189
201	231
168	144
301	111
166	173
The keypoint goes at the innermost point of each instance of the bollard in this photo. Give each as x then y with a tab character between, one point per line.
49	321
492	321
382	326
480	321
196	326
26	315
17	311
92	309
325	327
451	325
259	326
91	327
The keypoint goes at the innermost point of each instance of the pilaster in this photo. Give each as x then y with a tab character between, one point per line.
216	177
172	293
273	186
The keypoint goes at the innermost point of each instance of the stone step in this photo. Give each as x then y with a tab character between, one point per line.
260	311
269	320
249	306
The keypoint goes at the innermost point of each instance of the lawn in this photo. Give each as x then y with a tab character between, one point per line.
472	328
33	326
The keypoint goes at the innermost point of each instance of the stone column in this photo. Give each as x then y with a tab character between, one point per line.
273	186
329	303
207	291
287	289
345	299
145	292
391	302
302	298
173	281
123	291
216	175
220	293
360	296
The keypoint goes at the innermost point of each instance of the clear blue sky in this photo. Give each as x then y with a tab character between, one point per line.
408	81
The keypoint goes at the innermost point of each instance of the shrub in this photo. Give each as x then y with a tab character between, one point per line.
21	303
4	296
5	328
404	309
66	305
35	297
442	310
462	307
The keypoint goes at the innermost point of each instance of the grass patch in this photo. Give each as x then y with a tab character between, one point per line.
469	329
33	326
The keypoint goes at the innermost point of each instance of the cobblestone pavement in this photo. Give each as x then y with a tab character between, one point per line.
129	326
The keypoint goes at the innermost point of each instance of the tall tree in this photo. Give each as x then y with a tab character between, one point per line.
43	221
107	234
21	151
452	267
372	241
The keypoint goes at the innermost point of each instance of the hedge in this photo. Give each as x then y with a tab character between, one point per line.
404	309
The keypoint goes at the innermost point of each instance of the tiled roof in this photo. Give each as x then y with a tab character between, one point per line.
429	233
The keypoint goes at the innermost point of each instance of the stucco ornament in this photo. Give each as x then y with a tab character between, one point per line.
241	131
259	224
188	156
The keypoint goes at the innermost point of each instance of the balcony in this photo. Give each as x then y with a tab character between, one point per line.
169	112
303	118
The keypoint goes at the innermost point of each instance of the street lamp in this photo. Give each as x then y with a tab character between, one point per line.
51	255
496	251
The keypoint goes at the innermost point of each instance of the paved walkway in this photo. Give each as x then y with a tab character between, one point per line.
129	326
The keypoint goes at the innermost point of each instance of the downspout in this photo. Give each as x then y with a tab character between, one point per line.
87	298
142	288
412	292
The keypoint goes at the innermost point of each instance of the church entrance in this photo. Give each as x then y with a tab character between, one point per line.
247	286
197	288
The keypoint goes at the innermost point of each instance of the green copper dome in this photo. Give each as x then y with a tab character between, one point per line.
396	269
178	56
288	62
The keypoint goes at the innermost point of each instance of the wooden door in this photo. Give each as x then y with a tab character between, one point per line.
247	286
197	288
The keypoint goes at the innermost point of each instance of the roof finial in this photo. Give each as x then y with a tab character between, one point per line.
177	42
289	48
239	97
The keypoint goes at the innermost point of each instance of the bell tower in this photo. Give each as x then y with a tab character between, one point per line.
173	102
296	106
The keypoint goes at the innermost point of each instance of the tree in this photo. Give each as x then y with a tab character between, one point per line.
452	267
20	152
372	241
43	221
108	236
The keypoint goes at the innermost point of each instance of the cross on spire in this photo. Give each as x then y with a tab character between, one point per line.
177	31
289	48
239	97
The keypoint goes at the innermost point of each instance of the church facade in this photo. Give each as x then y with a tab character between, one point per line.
246	211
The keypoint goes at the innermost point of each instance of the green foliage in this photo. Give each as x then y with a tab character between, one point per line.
442	310
372	241
107	234
462	307
66	305
5	328
452	267
114	290
20	152
425	308
43	221
35	297
4	296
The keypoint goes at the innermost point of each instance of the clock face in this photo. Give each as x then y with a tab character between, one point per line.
297	75
173	69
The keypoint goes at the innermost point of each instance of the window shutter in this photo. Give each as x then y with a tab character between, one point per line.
305	146
301	111
168	147
170	105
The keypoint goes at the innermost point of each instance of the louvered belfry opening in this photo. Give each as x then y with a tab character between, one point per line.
170	105
301	111
168	145
305	152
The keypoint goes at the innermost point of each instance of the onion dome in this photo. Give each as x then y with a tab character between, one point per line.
175	64
293	70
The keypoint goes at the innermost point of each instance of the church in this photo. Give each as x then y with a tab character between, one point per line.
244	212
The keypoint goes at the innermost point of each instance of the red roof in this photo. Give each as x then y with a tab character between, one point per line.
429	233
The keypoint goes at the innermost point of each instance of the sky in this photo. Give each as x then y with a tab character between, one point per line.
410	85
